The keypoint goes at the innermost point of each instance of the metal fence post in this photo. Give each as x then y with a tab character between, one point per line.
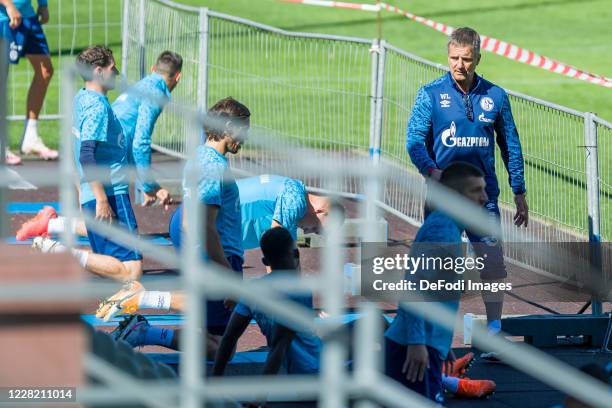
374	52
592	181
124	38
380	86
4	142
203	61
141	38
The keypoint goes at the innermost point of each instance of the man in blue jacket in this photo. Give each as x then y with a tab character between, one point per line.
455	118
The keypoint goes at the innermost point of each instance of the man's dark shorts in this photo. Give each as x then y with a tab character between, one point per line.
27	39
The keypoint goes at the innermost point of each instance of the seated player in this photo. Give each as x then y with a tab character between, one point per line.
137	110
298	352
100	145
217	190
416	348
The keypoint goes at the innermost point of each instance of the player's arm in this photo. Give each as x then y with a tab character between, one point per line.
43	12
209	193
512	156
12	12
419	129
236	326
214	249
148	112
281	340
93	132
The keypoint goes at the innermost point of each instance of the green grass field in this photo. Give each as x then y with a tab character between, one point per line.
313	86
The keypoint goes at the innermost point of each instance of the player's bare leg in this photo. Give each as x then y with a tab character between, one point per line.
43	72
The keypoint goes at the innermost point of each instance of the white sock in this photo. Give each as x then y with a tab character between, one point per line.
31	130
151	299
58	225
81	256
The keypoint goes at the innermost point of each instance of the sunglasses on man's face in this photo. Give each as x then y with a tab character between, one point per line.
469	110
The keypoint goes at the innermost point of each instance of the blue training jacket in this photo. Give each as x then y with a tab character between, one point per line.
138	110
439	131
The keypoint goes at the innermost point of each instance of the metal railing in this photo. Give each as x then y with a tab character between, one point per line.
352	97
349	170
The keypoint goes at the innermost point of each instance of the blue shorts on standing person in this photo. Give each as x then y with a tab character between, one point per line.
27	39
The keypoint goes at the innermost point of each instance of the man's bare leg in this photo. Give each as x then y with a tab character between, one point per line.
110	267
102	265
43	72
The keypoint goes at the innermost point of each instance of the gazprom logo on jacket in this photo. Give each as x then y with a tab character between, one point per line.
450	140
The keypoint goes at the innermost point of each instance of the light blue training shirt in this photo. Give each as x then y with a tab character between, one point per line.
217	186
265	198
93	119
138	110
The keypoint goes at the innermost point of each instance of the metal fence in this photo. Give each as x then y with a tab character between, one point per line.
350	97
335	385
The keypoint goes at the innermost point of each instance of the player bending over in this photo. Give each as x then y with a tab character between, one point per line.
269	201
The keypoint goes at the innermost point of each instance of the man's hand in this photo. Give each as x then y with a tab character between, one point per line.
149	199
104	212
161	194
164	197
449	363
417	362
14	16
522	210
43	14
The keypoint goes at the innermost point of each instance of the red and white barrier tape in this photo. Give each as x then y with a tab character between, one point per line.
490	44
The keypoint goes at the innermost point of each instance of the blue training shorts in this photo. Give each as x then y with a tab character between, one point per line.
27	39
217	315
100	244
